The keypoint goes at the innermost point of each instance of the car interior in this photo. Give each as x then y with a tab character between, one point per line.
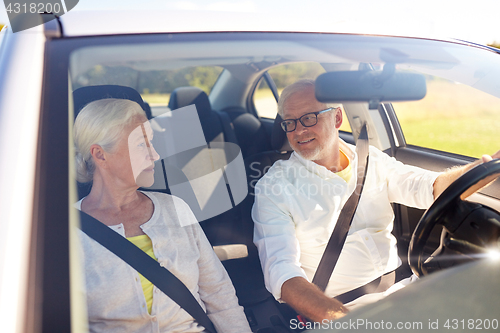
228	114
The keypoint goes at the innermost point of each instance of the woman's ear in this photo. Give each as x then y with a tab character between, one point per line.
98	154
338	117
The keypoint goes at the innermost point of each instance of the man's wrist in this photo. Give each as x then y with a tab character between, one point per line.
336	313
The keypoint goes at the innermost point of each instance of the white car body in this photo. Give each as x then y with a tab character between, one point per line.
22	66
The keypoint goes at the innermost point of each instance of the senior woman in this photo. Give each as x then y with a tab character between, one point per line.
114	151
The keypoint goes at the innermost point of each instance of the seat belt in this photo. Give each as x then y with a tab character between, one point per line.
379	285
339	234
147	266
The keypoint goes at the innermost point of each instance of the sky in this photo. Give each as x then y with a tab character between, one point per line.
471	20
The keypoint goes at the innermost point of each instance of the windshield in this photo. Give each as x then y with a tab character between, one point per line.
193	91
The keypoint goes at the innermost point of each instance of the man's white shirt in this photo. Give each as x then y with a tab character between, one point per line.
297	204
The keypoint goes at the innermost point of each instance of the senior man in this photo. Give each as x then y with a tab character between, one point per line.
298	202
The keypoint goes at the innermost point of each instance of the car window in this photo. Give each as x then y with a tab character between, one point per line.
155	86
452	117
283	75
266	105
264	101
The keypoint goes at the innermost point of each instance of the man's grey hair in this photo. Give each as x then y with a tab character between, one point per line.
295	87
291	90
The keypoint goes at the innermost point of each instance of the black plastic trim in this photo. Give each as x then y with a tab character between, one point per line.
395	126
272	85
436	160
49	267
389	127
250	104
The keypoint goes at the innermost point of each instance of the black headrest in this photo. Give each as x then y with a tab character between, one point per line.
84	95
279	140
185	96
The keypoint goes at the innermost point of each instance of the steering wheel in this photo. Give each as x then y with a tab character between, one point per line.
449	210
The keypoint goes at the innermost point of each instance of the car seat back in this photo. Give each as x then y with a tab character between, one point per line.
251	134
84	95
216	126
258	164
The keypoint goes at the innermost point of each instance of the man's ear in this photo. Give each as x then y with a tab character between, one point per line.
98	154
338	117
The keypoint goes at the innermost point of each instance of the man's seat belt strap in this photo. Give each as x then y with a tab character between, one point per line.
339	234
147	266
379	285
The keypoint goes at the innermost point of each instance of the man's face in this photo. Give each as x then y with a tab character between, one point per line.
319	142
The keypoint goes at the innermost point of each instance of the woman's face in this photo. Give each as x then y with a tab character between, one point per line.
142	154
134	156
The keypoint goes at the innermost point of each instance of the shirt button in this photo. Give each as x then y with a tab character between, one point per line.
366	238
162	264
154	319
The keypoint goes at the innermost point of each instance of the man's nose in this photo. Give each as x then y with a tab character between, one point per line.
299	128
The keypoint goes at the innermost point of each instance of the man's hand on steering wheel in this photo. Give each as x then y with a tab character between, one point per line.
470	228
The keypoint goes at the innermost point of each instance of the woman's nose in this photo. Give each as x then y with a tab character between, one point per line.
153	154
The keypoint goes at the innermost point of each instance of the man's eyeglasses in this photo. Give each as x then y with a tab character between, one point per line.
307	120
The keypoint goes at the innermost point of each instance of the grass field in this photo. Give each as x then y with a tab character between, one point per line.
156	99
452	117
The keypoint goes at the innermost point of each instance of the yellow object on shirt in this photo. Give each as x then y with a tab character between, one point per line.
346	173
144	243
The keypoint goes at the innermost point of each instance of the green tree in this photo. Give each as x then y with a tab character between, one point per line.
288	74
203	77
154	82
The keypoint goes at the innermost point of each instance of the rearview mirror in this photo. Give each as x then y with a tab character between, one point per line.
370	86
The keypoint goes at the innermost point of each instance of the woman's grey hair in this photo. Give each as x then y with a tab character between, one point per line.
100	122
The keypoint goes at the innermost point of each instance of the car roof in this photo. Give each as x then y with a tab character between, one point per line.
122	22
76	23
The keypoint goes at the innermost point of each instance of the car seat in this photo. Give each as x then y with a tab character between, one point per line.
235	227
216	125
84	95
251	134
258	164
262	304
